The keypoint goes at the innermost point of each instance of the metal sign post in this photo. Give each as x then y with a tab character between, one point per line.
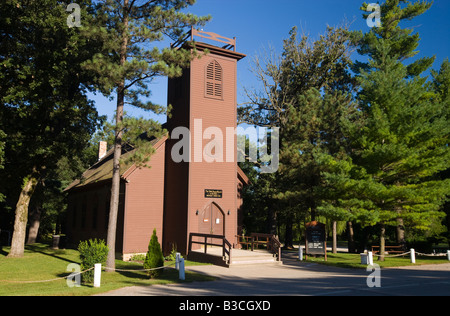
316	241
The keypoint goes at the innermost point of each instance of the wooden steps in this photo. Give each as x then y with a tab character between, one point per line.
239	257
246	257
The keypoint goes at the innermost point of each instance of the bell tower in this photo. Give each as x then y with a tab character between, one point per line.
201	160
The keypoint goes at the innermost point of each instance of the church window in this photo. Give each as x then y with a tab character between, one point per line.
214	80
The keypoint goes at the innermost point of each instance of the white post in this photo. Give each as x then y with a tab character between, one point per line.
448	255
413	256
181	273
300	253
97	274
370	258
177	261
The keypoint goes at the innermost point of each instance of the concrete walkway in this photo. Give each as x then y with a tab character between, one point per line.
302	278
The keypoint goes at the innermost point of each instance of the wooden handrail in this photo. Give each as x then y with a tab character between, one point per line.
276	247
390	249
225	243
271	241
230	42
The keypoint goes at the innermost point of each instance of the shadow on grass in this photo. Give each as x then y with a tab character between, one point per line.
46	250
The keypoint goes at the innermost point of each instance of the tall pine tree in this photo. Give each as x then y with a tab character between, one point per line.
403	143
130	61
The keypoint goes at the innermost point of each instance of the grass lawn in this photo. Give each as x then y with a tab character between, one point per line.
40	262
350	260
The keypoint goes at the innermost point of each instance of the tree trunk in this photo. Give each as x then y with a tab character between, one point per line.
114	202
351	237
272	222
288	237
20	222
34	225
115	186
382	242
447	211
401	232
334	248
313	211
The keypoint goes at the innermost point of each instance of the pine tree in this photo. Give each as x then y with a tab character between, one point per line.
319	89
154	258
315	135
441	83
403	143
128	65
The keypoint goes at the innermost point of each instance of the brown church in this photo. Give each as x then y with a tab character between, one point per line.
174	197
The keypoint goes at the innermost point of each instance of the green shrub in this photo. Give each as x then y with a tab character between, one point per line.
137	258
173	254
154	258
92	252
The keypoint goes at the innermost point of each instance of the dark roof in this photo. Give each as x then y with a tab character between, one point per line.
102	170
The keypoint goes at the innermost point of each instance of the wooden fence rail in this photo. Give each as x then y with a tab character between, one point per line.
208	241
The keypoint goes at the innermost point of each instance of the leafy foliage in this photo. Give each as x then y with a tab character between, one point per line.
301	96
44	108
92	251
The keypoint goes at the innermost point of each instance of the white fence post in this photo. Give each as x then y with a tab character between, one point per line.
177	261
300	253
181	273
448	255
97	274
413	256
370	258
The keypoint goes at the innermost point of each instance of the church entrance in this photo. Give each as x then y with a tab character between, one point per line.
212	220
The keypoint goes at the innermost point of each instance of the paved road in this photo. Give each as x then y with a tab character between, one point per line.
302	278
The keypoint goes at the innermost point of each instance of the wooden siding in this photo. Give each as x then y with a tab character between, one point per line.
144	204
88	213
220	113
186	182
168	195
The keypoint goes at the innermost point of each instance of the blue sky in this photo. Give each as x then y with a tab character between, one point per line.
258	24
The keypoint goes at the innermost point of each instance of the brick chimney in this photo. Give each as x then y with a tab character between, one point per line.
102	149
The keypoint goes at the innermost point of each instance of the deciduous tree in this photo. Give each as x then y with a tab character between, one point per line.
292	98
44	108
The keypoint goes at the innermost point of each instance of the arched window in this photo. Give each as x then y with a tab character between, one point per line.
214	85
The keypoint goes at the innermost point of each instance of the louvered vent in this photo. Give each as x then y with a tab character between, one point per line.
214	87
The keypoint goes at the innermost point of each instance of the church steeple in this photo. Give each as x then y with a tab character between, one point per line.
203	102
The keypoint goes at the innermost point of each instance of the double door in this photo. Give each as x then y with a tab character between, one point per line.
212	220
